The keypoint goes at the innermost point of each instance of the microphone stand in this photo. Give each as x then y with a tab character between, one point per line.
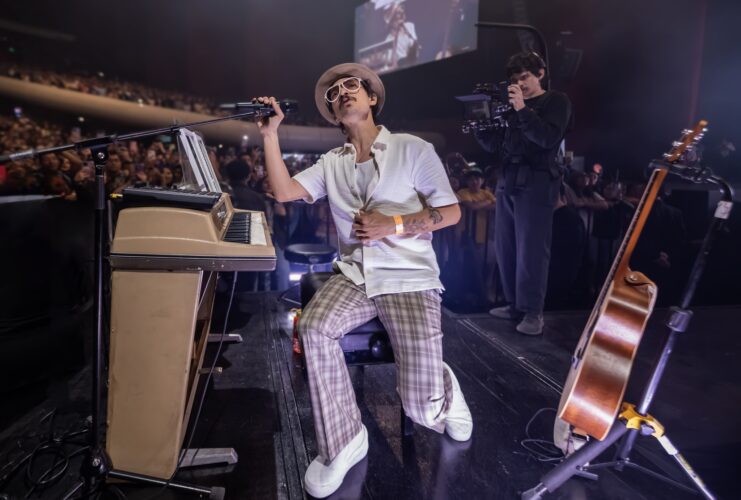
96	466
635	420
252	110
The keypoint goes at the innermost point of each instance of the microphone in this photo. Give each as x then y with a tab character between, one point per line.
20	155
261	109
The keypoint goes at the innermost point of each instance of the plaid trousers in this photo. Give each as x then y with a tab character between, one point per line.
412	320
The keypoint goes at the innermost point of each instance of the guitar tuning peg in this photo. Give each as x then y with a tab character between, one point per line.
686	131
667	156
676	144
704	129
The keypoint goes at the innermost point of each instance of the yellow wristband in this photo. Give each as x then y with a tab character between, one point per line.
399	224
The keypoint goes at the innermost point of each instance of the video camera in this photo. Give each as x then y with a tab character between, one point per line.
486	108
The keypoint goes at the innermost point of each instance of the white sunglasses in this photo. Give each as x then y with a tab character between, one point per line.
352	85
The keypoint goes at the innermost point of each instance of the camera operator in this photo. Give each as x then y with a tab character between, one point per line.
528	188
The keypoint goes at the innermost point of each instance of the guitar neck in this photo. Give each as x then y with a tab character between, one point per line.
620	266
639	221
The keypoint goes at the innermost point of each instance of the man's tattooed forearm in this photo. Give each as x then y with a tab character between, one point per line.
418	223
435	216
415	226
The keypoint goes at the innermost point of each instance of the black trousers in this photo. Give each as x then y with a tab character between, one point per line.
522	237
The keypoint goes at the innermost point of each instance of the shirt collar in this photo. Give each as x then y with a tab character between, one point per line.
381	143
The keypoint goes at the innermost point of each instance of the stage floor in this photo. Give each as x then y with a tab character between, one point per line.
259	406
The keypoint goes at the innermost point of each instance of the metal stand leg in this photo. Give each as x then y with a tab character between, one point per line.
686	467
572	465
225	338
196	457
213	493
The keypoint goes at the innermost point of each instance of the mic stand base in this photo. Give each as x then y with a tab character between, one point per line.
96	468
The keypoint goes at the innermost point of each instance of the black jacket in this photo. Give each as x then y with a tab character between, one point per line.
534	133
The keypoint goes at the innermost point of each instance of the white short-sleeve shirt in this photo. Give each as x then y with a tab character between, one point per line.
410	178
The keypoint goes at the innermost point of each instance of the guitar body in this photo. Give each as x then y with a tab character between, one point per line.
602	361
595	387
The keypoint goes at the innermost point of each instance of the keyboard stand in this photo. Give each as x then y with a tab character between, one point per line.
229	338
197	457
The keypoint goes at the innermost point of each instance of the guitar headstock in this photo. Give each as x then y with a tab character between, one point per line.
687	142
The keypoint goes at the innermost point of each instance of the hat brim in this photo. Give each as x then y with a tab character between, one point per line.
341	70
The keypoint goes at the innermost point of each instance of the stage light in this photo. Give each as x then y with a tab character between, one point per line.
294	276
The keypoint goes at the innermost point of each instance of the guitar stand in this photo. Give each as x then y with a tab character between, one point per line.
634	421
649	426
629	422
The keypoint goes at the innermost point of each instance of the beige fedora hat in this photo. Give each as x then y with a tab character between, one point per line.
342	70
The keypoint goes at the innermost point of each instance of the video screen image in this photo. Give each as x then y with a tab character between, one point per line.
396	34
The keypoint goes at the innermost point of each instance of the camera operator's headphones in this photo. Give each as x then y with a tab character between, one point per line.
540	59
542	64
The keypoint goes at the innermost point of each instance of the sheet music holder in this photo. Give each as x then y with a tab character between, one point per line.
198	173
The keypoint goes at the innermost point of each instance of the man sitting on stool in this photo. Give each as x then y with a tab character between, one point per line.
387	269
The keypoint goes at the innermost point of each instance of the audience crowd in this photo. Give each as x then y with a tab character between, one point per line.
98	84
103	85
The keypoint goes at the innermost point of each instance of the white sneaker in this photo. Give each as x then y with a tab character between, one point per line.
322	480
458	423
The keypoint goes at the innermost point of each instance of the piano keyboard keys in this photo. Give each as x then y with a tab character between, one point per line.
183	237
246	228
257	231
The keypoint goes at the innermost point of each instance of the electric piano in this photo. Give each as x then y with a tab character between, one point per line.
169	229
166	254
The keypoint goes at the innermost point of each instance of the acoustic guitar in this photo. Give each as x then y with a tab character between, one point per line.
603	359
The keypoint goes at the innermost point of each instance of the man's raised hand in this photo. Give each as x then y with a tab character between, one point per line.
268	125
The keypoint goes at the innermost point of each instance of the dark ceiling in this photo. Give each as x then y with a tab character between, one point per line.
647	68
